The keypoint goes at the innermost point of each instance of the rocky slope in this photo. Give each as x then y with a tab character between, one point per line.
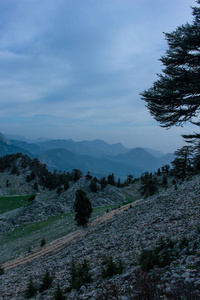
171	213
49	203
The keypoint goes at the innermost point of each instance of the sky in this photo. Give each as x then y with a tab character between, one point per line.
74	69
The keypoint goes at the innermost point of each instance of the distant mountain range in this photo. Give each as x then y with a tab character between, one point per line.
97	157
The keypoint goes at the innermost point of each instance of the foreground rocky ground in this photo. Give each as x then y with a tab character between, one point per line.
173	214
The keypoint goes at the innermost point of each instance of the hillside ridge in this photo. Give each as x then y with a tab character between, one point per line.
172	213
97	157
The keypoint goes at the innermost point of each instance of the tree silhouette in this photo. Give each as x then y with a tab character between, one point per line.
175	97
82	207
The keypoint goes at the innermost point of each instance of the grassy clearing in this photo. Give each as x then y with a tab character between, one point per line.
12	202
130	198
23	237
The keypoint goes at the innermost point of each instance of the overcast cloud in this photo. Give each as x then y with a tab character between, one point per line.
75	68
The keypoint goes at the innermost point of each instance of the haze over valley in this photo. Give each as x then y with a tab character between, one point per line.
97	157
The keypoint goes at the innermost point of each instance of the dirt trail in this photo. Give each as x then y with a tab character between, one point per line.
57	244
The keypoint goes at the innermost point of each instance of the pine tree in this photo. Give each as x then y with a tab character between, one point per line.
43	242
46	281
58	294
93	185
79	274
111	179
182	162
82	207
1	270
175	97
76	175
103	182
30	289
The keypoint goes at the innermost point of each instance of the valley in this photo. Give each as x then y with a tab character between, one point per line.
146	228
97	157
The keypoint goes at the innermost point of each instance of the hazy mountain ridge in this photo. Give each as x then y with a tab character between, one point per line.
10	149
97	157
64	159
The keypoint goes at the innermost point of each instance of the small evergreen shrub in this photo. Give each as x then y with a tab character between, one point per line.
31	198
30	289
46	281
1	270
79	275
35	186
15	170
93	185
148	185
8	183
183	243
59	190
43	242
148	286
164	181
66	185
28	178
58	294
110	268
161	255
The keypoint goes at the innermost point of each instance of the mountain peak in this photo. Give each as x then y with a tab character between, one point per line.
4	140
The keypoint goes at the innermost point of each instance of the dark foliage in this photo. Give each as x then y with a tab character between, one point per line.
76	175
148	185
35	186
182	162
79	275
164	181
93	185
111	179
103	182
58	294
59	190
161	255
15	170
31	198
1	270
175	97
43	242
110	267
82	207
66	185
30	289
148	286
46	281
88	176
39	172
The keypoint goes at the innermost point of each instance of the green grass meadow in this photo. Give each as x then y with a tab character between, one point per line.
9	203
17	241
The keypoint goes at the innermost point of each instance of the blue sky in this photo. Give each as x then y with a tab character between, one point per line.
75	68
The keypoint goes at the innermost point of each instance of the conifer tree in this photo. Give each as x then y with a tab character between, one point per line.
79	274
46	281
1	270
182	162
111	179
82	207
58	294
30	289
175	97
